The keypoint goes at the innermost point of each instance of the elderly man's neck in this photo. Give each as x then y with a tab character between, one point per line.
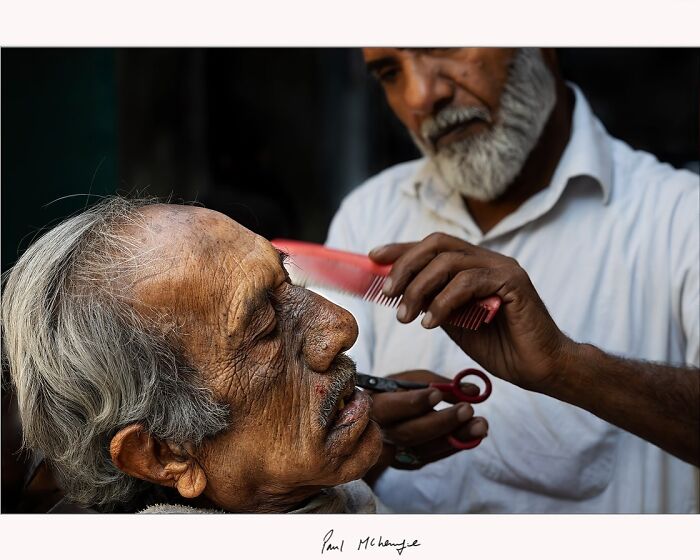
538	170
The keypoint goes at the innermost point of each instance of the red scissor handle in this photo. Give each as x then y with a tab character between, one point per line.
455	387
457	444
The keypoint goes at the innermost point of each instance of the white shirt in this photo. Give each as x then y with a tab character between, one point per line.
612	247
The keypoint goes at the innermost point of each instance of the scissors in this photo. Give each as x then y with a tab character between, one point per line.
385	384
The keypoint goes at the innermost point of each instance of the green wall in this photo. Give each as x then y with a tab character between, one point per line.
59	137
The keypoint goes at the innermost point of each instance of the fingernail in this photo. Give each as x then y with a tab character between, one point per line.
401	312
434	398
427	320
377	249
386	287
478	429
464	413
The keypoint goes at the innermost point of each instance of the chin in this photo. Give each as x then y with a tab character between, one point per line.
364	456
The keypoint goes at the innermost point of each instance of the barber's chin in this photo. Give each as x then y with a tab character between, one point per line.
351	425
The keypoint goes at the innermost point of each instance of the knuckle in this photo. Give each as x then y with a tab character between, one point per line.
512	262
444	259
464	278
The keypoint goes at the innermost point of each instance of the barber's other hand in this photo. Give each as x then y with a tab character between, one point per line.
442	273
407	420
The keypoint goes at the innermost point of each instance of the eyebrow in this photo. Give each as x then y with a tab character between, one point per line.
261	299
374	66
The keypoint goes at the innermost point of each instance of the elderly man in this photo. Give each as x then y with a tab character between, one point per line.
160	354
516	166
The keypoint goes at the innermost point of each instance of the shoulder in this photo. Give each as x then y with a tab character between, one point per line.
656	204
639	176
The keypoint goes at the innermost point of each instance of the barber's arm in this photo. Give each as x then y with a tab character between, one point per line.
524	346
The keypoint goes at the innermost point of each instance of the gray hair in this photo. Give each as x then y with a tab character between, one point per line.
84	364
485	165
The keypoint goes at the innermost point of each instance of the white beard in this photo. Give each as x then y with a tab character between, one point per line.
482	167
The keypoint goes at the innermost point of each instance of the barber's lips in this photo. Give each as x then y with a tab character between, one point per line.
456	132
351	409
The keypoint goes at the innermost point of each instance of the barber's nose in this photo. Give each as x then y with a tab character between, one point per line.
426	90
332	330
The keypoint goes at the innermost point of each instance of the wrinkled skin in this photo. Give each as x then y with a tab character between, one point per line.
267	348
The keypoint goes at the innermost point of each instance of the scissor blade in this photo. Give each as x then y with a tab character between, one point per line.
382	384
379	384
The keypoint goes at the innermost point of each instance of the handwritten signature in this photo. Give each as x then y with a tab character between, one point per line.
337	545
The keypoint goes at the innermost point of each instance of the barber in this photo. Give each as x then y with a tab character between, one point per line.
593	249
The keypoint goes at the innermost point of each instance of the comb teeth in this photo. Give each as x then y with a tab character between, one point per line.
471	317
356	275
375	295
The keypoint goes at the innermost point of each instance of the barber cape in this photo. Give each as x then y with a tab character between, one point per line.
353	497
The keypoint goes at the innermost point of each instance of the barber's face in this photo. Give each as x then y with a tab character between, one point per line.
273	351
418	83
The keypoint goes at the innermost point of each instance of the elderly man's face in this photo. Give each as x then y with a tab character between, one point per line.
477	112
272	350
420	82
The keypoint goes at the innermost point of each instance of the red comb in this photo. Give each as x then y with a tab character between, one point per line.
315	265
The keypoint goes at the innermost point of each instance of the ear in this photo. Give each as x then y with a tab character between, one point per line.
138	454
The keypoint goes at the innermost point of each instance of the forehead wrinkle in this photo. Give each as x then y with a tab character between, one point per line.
261	298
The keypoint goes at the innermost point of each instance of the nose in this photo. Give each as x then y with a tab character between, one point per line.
332	330
426	89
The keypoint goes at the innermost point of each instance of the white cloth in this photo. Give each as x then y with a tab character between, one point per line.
352	497
612	248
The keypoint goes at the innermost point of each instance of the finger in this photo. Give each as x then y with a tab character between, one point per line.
387	254
428	377
390	408
432	279
415	258
464	287
440	448
429	426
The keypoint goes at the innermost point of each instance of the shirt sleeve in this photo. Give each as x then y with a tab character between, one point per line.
344	235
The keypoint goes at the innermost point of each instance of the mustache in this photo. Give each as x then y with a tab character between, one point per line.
344	372
434	127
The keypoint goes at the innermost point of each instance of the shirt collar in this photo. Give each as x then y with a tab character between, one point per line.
587	155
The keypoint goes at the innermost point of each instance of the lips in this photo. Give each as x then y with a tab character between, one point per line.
356	407
445	134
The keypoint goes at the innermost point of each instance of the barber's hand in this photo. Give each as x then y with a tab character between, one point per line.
441	274
411	427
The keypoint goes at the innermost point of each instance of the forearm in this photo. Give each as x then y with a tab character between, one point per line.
658	403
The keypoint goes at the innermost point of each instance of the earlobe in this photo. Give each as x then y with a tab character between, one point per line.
138	454
192	482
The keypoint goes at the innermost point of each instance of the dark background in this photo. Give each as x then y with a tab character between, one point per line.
273	137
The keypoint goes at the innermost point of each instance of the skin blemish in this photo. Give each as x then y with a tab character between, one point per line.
320	390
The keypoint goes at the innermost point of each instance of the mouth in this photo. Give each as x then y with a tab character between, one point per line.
351	411
455	131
